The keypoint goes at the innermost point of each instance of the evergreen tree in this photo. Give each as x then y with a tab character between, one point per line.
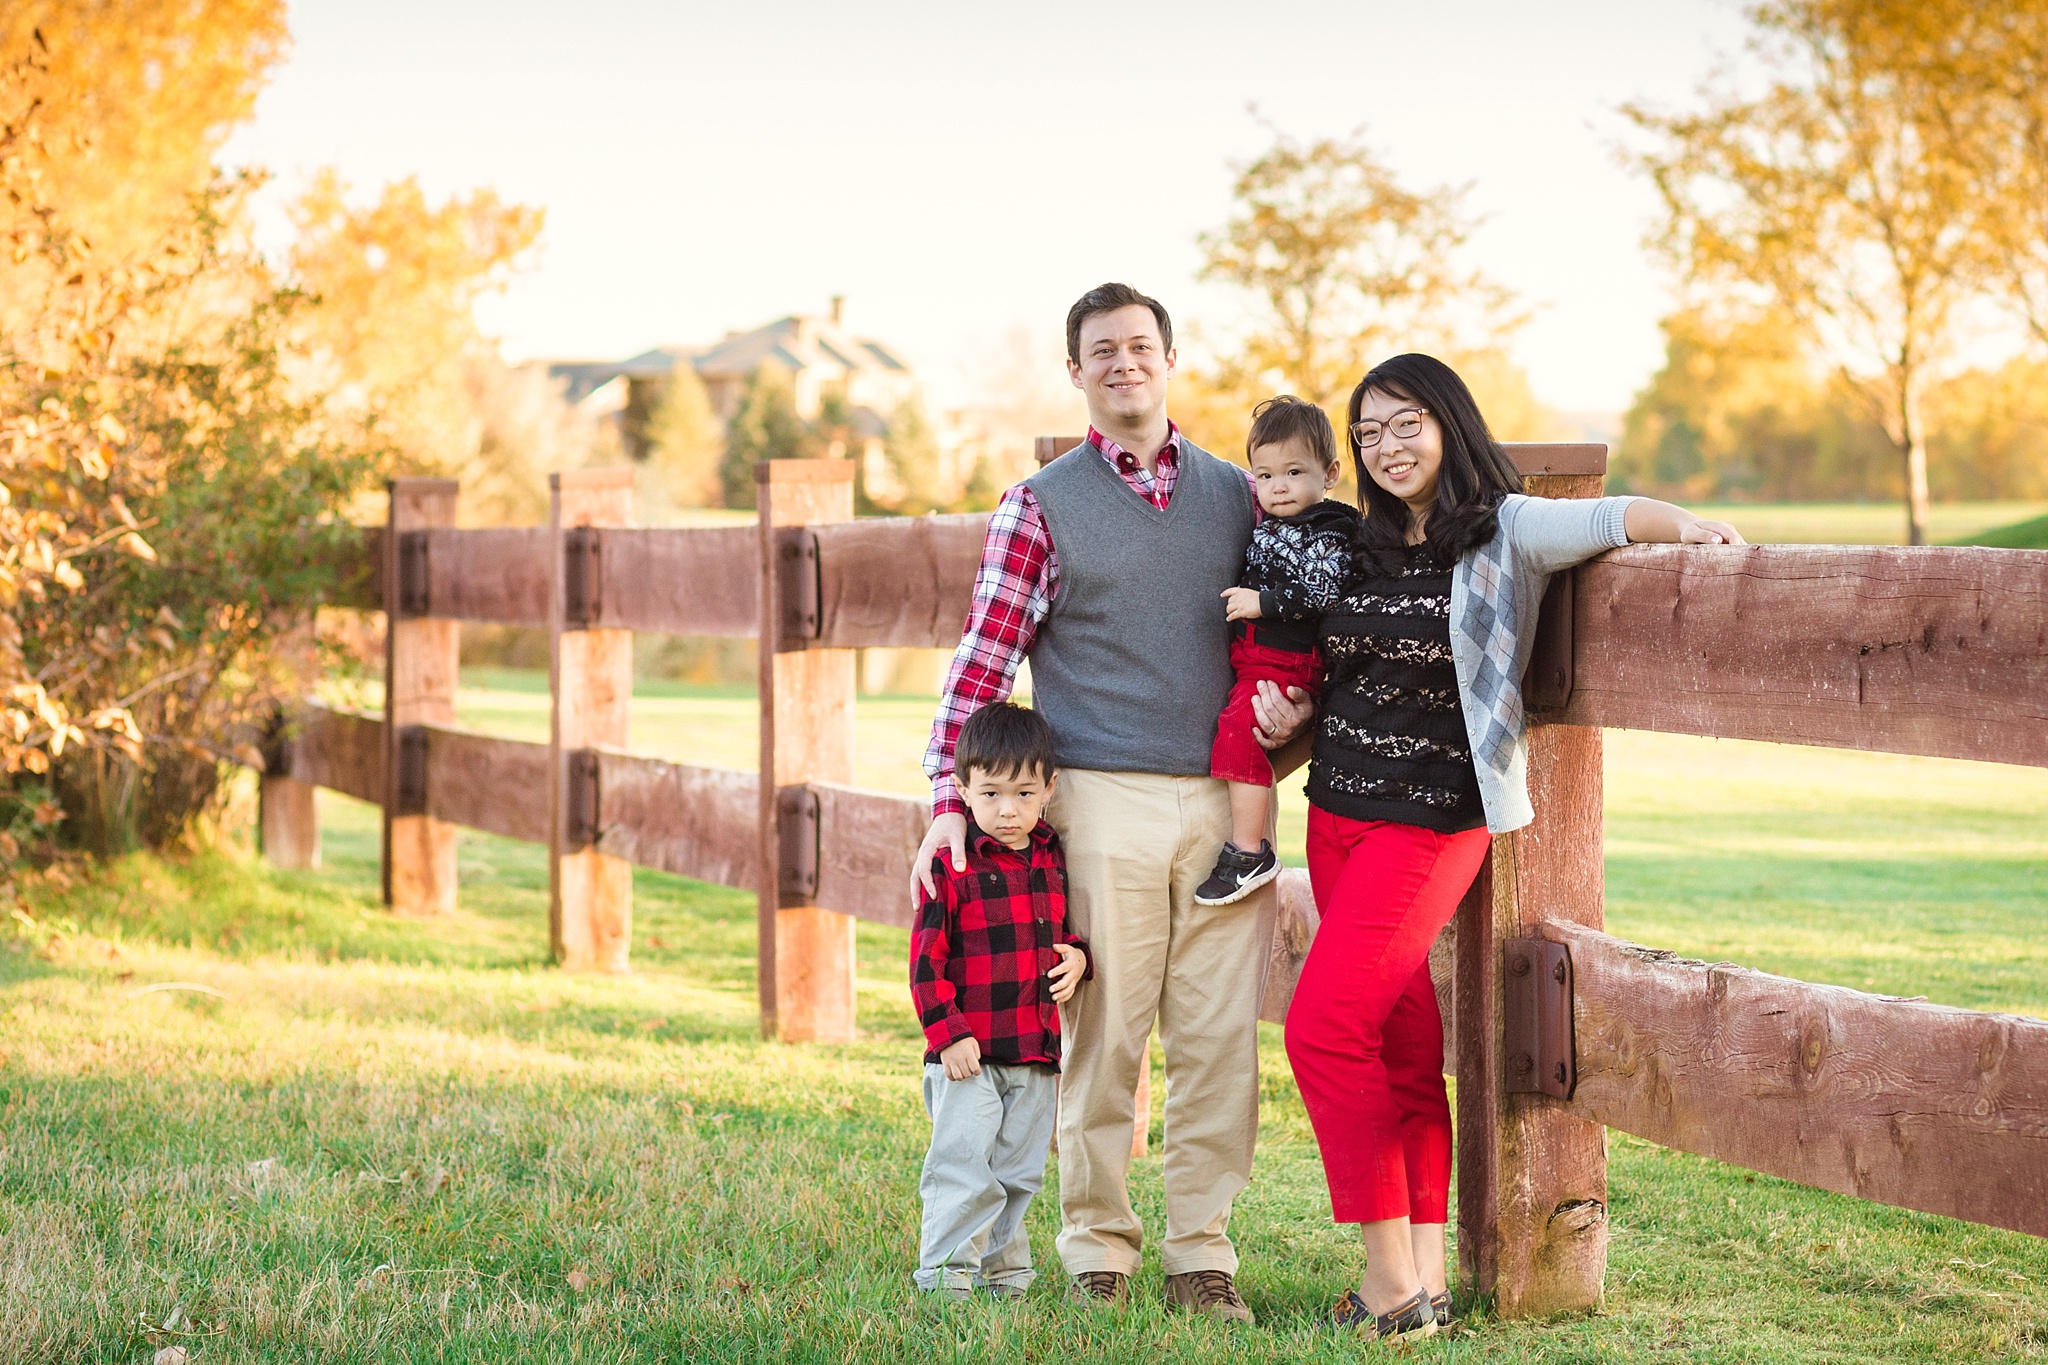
686	444
767	427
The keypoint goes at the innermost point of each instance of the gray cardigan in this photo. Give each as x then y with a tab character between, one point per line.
1496	591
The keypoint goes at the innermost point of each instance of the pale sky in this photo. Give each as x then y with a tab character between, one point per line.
958	170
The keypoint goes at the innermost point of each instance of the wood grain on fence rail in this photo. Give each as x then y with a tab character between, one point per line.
1942	652
867	842
497	574
697	822
340	750
898	582
1906	1103
484	782
680	580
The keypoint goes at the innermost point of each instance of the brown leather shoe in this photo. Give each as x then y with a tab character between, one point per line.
1100	1286
1207	1291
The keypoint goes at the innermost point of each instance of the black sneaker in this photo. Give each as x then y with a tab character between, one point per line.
1238	874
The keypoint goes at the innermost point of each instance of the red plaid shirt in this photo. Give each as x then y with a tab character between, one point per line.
983	945
1019	576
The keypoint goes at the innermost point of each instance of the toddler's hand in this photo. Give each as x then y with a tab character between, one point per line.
962	1059
1066	974
1240	604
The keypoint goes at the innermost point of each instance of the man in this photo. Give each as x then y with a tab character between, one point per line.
1106	569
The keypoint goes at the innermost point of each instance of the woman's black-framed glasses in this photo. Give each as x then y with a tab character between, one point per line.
1405	424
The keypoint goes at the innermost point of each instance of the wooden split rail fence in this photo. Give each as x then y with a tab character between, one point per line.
1559	1030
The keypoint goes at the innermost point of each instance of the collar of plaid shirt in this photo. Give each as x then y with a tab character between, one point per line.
986	844
1155	483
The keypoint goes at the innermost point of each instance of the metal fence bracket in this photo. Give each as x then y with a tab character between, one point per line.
1547	681
582	576
585	799
411	796
415	593
1539	1055
796	577
797	821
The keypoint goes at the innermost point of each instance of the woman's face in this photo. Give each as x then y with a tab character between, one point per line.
1406	466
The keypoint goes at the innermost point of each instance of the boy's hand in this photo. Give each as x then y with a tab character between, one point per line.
1240	604
1066	973
962	1059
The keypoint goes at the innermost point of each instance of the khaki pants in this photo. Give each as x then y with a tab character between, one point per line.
1137	846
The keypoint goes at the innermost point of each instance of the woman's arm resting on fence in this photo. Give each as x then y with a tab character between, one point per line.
1651	522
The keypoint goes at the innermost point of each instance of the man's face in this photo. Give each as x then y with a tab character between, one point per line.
1123	367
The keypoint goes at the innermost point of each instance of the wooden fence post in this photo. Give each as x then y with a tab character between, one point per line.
288	821
590	682
421	654
1532	1178
806	695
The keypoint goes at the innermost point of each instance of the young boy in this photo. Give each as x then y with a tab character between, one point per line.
1294	567
990	962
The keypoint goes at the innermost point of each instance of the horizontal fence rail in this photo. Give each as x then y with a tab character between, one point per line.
1898	1101
1941	652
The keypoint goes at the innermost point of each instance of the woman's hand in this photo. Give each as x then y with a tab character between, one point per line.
1650	522
1700	531
1240	604
1280	715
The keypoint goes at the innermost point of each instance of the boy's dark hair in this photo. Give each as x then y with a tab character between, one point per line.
1288	418
1003	739
1475	476
1107	298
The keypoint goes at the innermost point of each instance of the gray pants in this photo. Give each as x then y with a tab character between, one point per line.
989	1136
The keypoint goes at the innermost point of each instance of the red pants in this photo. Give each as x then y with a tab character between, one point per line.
1364	1034
1236	756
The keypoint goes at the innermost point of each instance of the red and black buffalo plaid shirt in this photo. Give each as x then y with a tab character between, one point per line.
983	945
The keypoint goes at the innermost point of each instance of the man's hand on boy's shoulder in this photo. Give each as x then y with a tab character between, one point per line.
948	831
1066	974
962	1059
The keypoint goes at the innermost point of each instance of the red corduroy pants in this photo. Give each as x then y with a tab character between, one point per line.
1364	1034
1236	756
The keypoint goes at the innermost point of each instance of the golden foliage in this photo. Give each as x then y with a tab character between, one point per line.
139	96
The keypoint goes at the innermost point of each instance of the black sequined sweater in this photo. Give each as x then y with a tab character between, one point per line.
1390	738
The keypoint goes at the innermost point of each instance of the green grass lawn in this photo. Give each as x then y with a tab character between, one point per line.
415	1141
1864	523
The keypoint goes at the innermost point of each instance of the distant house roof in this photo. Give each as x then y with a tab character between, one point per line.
796	343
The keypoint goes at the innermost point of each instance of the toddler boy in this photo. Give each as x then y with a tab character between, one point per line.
1295	566
990	961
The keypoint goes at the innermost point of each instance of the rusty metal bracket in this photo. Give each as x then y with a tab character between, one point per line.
797	821
584	807
1547	681
582	577
415	593
1539	1054
796	578
411	796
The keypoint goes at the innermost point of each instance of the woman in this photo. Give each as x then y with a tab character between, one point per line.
1419	754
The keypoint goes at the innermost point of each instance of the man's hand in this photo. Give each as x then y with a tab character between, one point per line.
962	1059
1280	716
947	831
1241	604
1066	973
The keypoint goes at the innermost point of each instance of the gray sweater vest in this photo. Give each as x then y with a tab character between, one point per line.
1132	664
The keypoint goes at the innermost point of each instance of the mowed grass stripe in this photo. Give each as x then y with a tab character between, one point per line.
397	1140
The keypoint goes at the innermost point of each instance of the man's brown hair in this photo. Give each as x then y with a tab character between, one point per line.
1107	298
1288	418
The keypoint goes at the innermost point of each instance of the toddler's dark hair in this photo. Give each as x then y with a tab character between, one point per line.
1288	418
1003	739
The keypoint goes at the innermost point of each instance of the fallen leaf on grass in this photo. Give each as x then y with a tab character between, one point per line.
431	1185
654	941
169	1355
649	1025
577	1280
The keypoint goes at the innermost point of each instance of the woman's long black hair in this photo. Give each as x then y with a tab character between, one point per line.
1476	473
